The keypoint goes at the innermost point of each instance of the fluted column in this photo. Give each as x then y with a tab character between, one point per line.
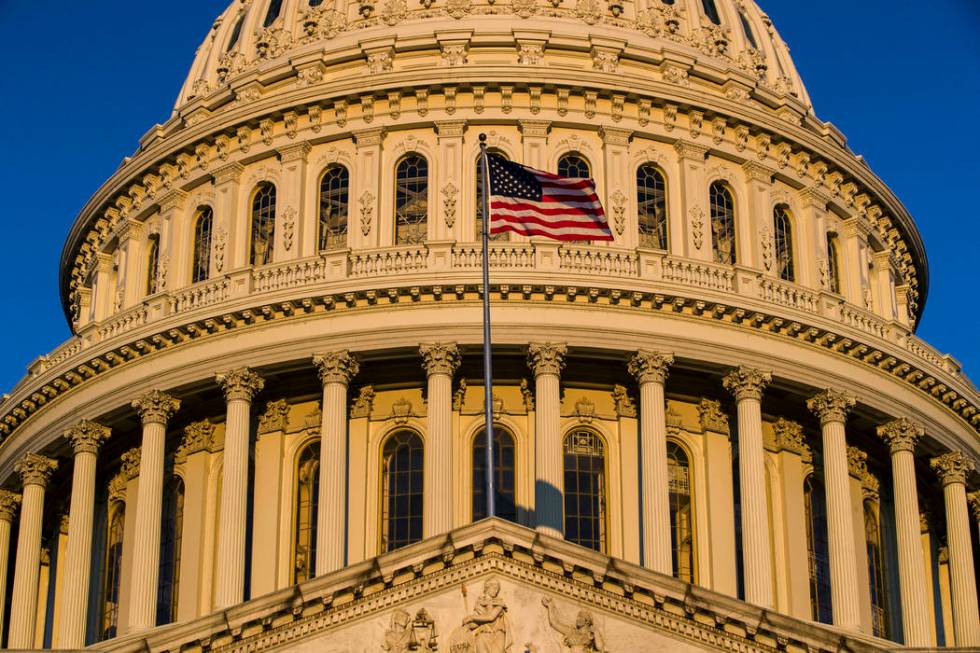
953	468
35	471
747	385
440	361
650	369
9	503
901	436
546	361
832	407
155	409
86	438
336	369
239	387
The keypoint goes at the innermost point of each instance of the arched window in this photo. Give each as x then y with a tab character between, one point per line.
747	28
153	265
236	32
651	206
172	529
681	512
113	570
263	224
504	464
723	223
316	3
411	200
783	229
711	11
574	165
275	6
306	502
876	571
401	491
816	546
202	244
334	191
833	264
585	489
479	197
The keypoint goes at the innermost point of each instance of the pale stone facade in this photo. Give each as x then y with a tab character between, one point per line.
719	431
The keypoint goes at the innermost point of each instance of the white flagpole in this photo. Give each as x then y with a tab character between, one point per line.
487	369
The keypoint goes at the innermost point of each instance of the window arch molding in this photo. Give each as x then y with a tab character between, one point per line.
579	153
384	215
410	430
522	488
583	147
609	506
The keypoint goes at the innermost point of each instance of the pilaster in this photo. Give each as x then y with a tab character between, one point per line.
619	193
296	222
365	220
546	361
690	228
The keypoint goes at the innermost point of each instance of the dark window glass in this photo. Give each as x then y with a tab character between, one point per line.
263	224
504	462
711	11
574	165
783	228
722	223
747	28
401	498
411	200
833	264
876	572
681	512
307	500
651	206
236	32
275	6
585	489
202	244
316	3
153	266
113	570
816	544
479	198
171	529
334	191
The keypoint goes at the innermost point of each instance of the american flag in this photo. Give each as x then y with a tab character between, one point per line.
535	203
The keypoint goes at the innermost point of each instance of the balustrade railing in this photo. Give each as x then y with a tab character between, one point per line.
400	260
517	256
289	275
863	321
699	274
788	294
123	323
598	260
199	295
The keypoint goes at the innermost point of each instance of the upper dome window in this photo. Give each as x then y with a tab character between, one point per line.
270	16
574	165
747	28
236	33
316	3
711	11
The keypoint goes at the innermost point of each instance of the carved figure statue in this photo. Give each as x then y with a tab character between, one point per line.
399	635
582	636
485	629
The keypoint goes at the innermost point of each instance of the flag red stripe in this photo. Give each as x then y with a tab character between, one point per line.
546	222
532	231
545	212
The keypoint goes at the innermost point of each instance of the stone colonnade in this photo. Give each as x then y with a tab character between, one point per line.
440	361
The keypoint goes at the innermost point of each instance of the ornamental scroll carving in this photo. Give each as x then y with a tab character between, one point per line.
901	434
952	467
697	226
546	358
449	193
35	469
747	383
364	403
619	211
367	211
275	416
712	417
156	407
87	436
624	403
9	502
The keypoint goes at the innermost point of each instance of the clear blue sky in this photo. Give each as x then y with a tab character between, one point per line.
80	82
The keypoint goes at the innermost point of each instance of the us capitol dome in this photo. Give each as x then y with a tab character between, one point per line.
718	432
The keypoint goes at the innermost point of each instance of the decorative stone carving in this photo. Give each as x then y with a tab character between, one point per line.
546	358
449	193
585	410
117	488
322	23
747	383
131	463
624	403
952	467
9	502
857	462
288	227
197	437
459	8
486	629
619	211
767	244
402	410
697	226
831	405
530	53
527	395
676	75
35	469
605	60
579	636
383	61
901	434
220	240
590	11
459	397
336	367
156	407
453	54
274	417
367	211
650	366
399	634
241	384
789	436
974	499
712	417
364	403
440	358
87	436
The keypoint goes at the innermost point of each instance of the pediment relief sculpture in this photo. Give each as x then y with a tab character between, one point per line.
580	635
485	628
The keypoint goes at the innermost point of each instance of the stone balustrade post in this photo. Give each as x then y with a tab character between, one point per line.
155	409
86	439
901	436
747	385
832	407
35	471
546	361
240	387
650	369
953	468
336	369
9	503
440	360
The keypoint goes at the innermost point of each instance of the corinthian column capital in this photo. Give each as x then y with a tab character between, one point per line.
336	366
440	357
242	383
156	407
901	434
831	405
9	502
952	467
746	382
546	357
650	366
87	436
35	470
